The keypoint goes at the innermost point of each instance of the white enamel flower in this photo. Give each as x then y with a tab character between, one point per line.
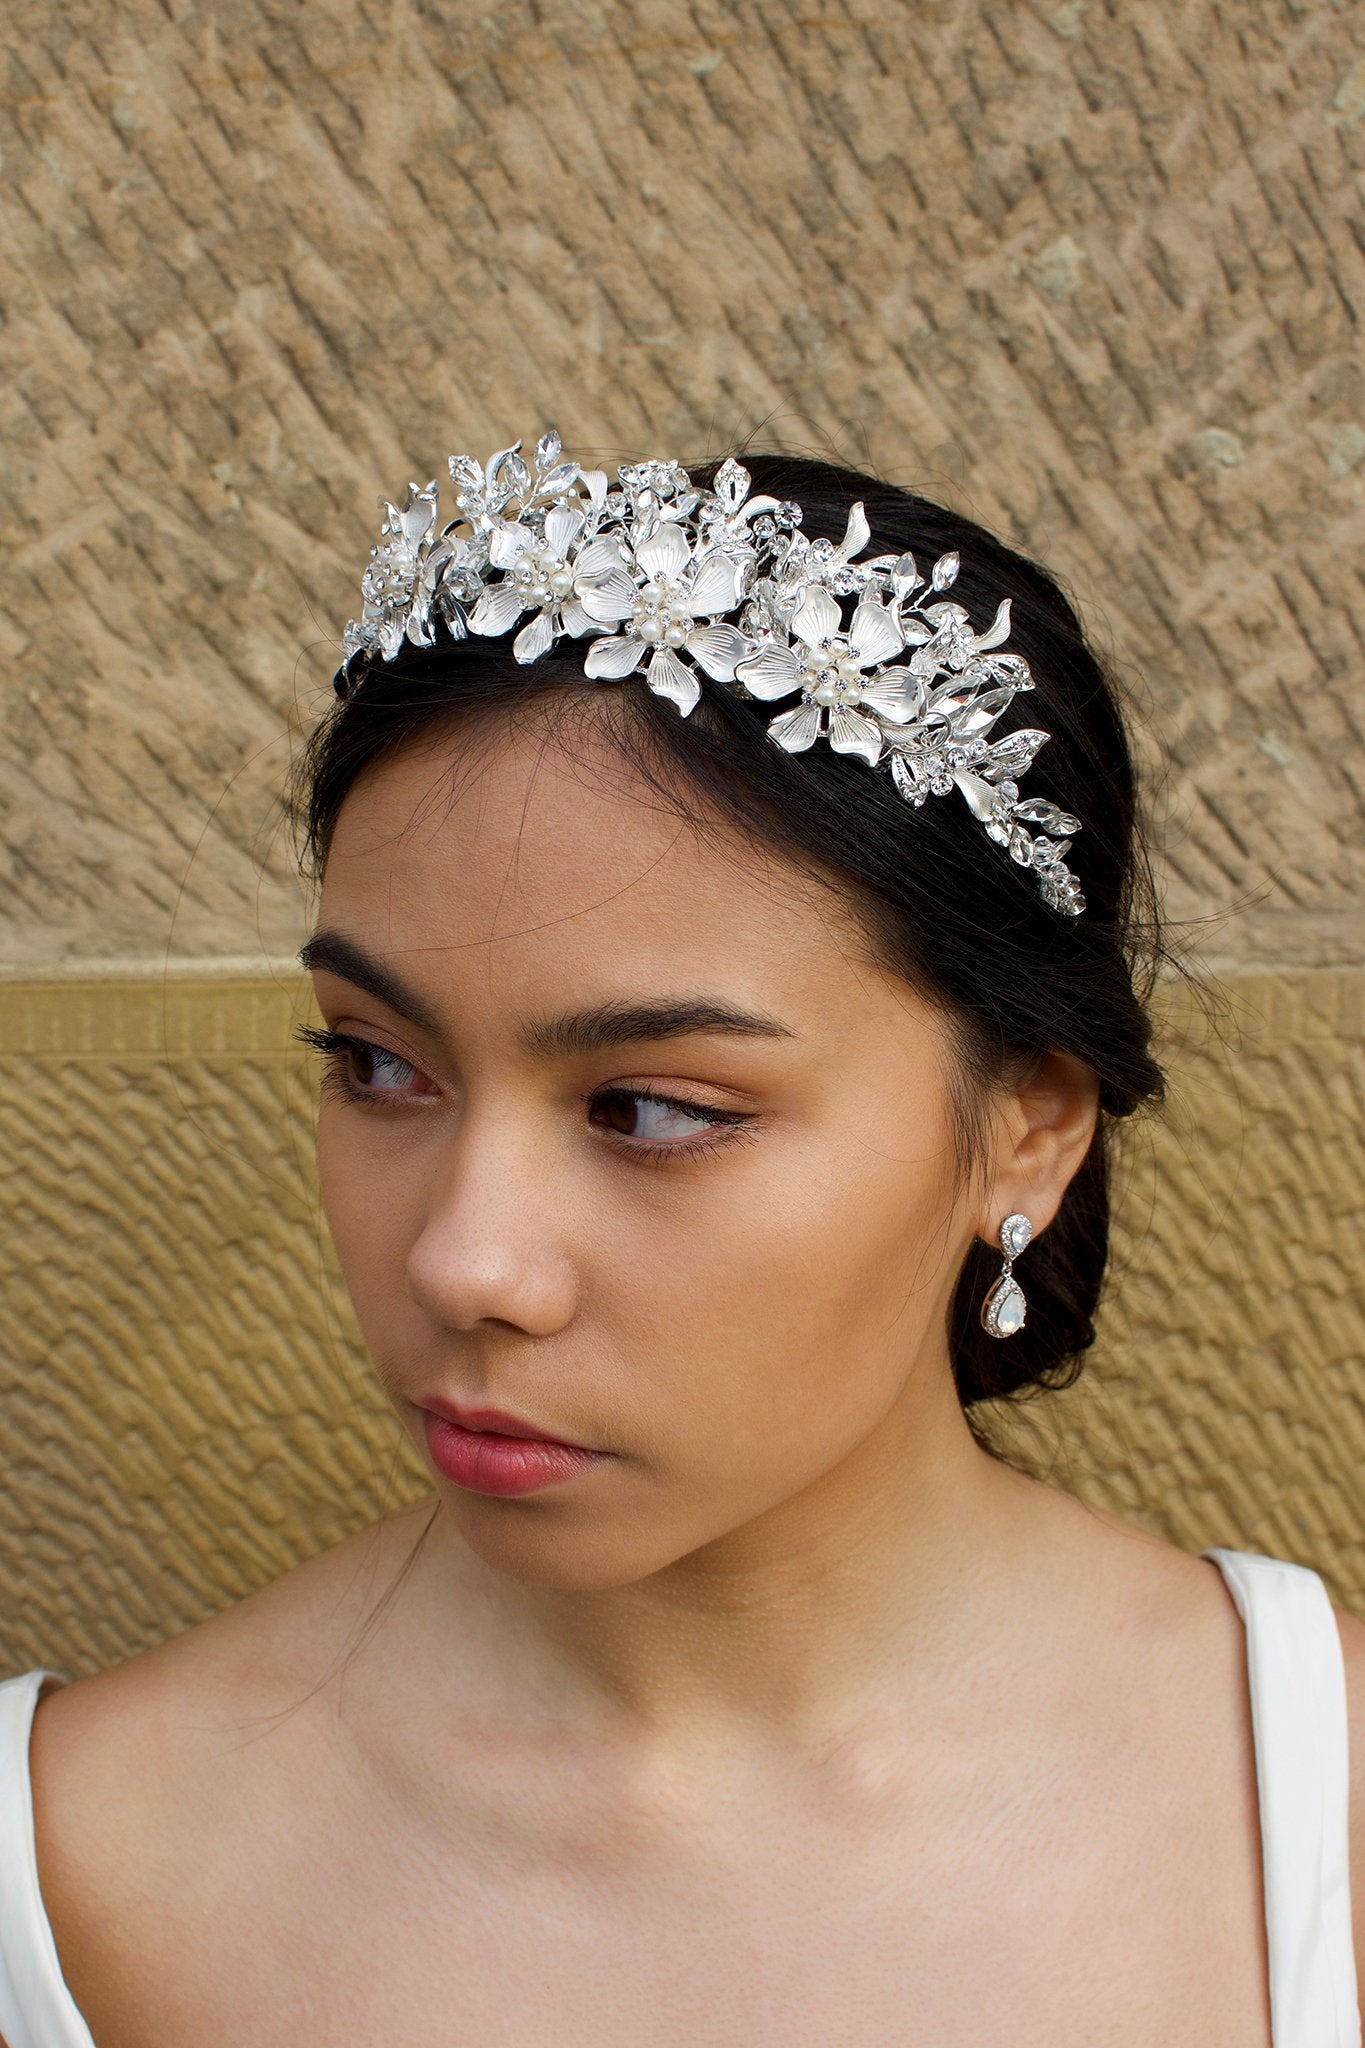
538	575
828	667
659	590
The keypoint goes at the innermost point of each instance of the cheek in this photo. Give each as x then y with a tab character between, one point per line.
371	1198
782	1315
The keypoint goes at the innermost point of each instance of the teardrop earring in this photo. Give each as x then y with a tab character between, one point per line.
1004	1309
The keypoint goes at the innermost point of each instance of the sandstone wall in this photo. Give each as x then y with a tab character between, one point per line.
1089	272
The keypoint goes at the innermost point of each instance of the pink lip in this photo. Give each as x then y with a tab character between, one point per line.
493	1453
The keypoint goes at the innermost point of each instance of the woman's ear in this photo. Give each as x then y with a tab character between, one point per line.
1044	1128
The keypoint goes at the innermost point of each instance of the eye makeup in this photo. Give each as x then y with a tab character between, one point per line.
354	1066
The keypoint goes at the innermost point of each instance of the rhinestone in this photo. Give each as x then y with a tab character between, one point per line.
1015	1232
1003	1311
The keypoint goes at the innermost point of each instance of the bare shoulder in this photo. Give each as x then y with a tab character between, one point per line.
1352	1631
139	1771
262	1653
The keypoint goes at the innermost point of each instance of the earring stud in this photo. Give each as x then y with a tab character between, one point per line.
1004	1309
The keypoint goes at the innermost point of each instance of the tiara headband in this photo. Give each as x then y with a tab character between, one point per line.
672	579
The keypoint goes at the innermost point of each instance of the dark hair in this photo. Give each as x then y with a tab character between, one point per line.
941	904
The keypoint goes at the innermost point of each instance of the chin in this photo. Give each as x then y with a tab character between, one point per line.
563	1553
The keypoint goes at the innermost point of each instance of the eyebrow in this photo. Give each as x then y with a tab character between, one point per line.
595	1029
334	953
622	1023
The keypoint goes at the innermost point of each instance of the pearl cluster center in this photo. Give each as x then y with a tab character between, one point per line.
833	672
662	616
543	577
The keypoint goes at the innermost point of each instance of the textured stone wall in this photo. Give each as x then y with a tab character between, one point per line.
1089	271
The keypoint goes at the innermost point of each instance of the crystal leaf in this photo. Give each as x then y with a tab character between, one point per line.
953	696
547	449
732	484
979	713
909	778
1012	669
945	570
1047	815
1013	754
499	462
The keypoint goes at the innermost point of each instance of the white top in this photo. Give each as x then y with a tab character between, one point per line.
1298	1712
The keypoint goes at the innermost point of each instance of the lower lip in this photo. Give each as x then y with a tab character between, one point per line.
502	1465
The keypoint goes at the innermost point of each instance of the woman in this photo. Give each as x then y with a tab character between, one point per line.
711	1030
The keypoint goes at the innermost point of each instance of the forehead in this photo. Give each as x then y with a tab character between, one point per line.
549	855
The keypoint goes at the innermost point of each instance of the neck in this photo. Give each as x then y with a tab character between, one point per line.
888	1575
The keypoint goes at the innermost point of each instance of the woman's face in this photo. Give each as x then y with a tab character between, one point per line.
720	1252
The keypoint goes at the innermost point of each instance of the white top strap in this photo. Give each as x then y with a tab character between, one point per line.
1298	1712
36	2009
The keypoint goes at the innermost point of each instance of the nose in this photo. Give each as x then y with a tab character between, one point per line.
493	1242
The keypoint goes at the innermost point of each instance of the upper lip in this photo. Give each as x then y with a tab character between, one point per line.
495	1421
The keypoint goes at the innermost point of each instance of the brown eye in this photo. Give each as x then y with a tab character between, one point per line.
617	1111
379	1072
661	1121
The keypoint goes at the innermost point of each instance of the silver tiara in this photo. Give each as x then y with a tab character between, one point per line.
662	577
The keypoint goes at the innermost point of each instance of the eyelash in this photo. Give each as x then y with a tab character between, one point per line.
338	1047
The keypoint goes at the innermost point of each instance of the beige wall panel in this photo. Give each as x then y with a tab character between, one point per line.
185	1411
1088	270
